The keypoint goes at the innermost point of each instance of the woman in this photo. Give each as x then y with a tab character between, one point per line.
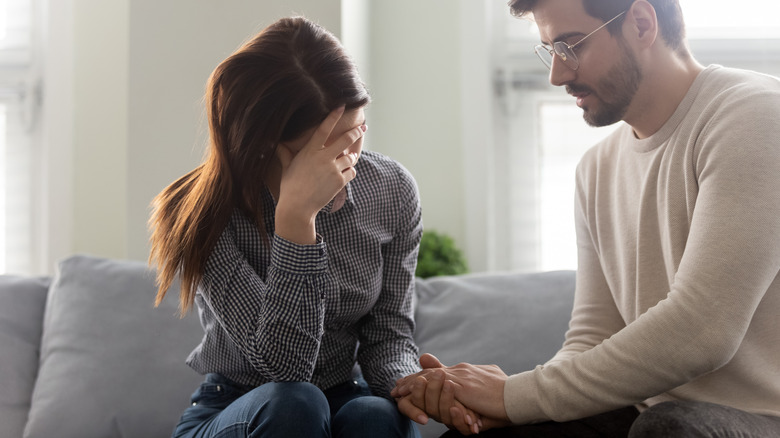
297	247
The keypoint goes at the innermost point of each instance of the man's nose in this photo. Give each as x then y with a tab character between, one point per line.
560	73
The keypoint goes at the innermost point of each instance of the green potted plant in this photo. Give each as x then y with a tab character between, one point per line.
439	256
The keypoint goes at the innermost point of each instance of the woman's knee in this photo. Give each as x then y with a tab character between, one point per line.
292	398
371	416
370	406
289	409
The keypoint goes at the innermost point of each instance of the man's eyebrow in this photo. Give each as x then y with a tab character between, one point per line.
563	36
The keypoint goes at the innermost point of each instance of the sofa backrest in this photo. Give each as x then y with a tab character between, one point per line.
22	300
514	320
111	365
86	354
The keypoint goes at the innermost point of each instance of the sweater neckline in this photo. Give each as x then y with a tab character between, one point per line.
662	135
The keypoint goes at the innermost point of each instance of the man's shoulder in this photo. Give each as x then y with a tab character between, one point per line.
734	97
728	82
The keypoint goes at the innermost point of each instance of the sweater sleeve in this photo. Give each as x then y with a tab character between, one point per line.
730	259
595	316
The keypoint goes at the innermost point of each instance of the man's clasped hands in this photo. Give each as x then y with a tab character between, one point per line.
469	398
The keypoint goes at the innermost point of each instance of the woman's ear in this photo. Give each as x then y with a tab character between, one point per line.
644	23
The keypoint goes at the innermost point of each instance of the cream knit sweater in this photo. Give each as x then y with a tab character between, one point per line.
678	295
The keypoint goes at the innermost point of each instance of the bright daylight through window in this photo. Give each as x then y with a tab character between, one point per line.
745	37
17	109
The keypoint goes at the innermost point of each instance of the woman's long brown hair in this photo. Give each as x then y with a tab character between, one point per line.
273	89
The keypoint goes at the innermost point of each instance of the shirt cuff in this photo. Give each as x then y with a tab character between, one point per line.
299	259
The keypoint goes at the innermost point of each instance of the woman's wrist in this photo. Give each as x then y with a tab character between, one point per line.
295	226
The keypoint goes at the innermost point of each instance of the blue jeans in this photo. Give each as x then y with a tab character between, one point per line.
224	409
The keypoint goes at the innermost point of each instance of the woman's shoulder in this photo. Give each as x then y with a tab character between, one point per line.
376	165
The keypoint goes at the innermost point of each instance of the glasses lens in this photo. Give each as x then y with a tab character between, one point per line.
566	54
544	54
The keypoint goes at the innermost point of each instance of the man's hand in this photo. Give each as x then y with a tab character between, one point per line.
433	393
446	410
412	404
478	387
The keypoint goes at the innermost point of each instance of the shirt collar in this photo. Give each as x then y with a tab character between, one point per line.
344	198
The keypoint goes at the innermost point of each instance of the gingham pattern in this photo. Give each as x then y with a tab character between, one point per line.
287	312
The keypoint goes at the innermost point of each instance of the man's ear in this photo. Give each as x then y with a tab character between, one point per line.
643	23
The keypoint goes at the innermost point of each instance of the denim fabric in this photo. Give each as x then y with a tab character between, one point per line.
224	409
702	420
613	424
664	420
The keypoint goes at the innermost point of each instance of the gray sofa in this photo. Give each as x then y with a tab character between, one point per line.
85	354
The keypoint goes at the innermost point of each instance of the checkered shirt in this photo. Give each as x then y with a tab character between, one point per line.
279	311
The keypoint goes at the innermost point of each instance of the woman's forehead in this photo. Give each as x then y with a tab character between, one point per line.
350	119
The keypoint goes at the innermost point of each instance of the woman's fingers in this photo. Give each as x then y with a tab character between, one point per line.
343	142
321	137
432	394
347	160
323	131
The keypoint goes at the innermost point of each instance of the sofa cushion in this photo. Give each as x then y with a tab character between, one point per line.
111	364
22	301
513	320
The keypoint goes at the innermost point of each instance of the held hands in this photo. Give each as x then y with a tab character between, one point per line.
314	175
469	398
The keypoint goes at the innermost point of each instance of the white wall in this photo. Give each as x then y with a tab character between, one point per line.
100	132
123	107
174	46
125	118
430	81
415	115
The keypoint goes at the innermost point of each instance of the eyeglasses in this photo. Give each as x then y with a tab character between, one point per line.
566	51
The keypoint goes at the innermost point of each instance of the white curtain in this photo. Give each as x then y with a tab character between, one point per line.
19	146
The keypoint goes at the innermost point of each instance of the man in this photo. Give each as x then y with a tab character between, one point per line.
674	328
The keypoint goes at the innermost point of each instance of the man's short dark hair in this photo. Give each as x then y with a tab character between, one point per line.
670	19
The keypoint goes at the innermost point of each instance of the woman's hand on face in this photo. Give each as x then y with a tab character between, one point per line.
313	176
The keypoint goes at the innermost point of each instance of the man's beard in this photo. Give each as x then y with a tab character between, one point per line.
615	92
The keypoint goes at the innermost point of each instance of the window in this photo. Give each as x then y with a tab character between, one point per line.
718	19
540	135
564	138
18	109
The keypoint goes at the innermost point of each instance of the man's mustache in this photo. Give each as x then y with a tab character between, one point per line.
578	89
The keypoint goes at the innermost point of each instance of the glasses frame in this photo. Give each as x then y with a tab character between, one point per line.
560	48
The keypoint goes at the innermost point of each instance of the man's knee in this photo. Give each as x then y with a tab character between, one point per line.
671	419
